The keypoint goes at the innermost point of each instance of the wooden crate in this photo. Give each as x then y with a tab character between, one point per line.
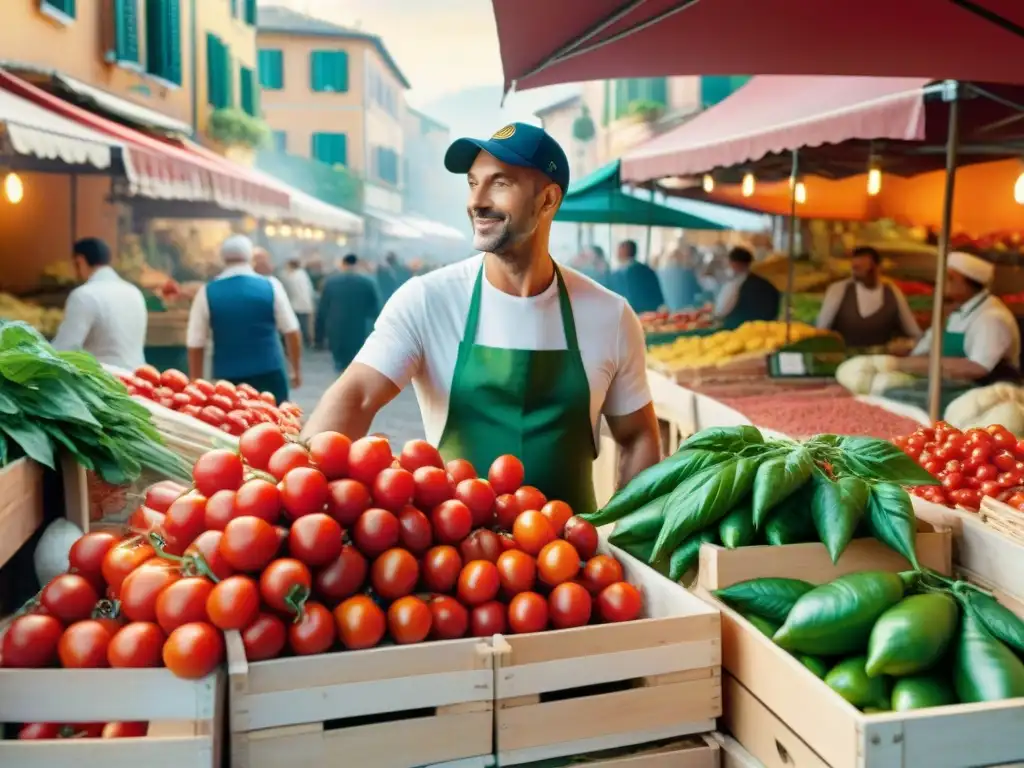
388	707
167	329
574	691
21	505
785	716
698	752
185	717
1003	519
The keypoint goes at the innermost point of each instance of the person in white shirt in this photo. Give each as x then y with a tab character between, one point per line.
244	314
106	316
508	352
981	341
867	310
299	287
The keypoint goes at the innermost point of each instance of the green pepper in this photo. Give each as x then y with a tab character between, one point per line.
641	550
849	680
737	528
835	619
641	525
1000	621
983	668
791	522
771	598
818	666
761	624
913	635
687	554
921	692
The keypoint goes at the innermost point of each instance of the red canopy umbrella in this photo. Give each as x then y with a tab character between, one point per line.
544	42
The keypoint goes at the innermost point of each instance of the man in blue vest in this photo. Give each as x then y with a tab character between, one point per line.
745	296
244	314
635	282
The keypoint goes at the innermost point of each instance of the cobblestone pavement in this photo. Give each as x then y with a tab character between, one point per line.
400	420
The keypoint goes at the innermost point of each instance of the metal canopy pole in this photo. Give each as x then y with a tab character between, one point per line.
791	274
952	95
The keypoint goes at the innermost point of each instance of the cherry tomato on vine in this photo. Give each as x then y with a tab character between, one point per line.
264	638
249	543
69	597
183	602
142	587
207	547
84	645
192	651
314	632
31	641
122	559
258	498
285	585
233	603
87	554
361	623
136	645
257	444
186	519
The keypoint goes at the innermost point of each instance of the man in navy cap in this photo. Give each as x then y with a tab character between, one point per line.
508	352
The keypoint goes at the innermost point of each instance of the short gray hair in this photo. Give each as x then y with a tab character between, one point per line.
237	249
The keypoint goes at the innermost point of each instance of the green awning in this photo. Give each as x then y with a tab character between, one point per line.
604	178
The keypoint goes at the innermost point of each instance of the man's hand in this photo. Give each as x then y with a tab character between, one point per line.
350	404
296	379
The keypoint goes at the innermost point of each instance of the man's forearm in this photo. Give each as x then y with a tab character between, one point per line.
341	409
196	362
293	341
952	368
638	454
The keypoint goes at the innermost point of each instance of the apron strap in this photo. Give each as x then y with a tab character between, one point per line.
473	318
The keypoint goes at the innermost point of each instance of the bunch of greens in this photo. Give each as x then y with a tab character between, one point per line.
65	400
730	485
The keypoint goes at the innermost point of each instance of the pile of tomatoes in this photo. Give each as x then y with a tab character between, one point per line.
326	544
226	406
970	465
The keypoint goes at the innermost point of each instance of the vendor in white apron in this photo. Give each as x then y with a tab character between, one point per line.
981	340
508	352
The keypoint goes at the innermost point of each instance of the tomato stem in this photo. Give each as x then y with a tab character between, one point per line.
296	599
196	565
157	542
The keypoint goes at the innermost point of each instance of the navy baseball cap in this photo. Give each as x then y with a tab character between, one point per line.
521	144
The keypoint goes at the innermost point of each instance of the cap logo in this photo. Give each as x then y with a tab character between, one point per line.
552	167
505	133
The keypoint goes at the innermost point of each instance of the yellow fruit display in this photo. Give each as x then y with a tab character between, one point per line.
45	320
755	338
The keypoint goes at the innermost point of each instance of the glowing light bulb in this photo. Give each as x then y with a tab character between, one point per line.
285	231
709	183
800	192
1018	190
874	181
270	230
14	190
748	185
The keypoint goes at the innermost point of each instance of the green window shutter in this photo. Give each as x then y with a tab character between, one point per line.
248	94
126	31
623	97
67	7
655	89
163	39
328	71
280	141
606	106
271	67
330	148
219	80
251	14
717	88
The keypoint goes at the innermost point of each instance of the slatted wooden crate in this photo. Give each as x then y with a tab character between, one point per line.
21	505
696	752
185	717
389	707
573	691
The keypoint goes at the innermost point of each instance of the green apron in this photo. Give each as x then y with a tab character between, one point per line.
953	343
534	404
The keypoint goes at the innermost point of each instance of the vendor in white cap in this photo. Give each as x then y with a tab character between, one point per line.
981	341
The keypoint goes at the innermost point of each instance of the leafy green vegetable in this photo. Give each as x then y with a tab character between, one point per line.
779	477
891	519
723	439
880	460
837	508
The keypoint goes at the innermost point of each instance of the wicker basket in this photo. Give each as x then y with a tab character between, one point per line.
1002	518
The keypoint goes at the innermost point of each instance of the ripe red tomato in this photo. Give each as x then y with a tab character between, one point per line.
517	571
478	582
441	568
347	500
303	492
207	547
558	514
223	402
30	641
34	731
148	373
530	498
69	597
449	618
506	510
286	458
314	632
186	519
558	562
193	651
233	603
84	645
122	559
367	458
329	451
87	554
285	585
315	539
136	645
258	498
143	586
174	379
452	521
582	535
249	543
160	496
419	453
264	638
393	489
480	498
569	605
619	602
394	574
375	532
414	530
506	474
600	572
182	602
343	577
220	508
125	730
532	531
361	623
409	620
527	612
459	470
481	544
257	444
433	487
217	470
204	386
488	619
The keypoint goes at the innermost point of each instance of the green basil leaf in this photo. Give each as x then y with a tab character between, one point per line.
31	438
828	441
777	478
837	508
891	519
723	439
880	460
770	598
8	405
55	400
790	521
704	500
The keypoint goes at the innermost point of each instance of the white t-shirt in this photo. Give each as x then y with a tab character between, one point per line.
416	338
990	333
198	331
299	287
869	301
